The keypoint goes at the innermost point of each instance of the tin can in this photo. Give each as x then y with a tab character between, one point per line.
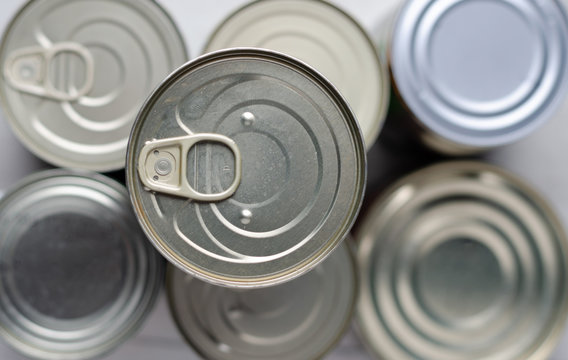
246	167
75	73
326	38
301	319
78	276
473	75
461	260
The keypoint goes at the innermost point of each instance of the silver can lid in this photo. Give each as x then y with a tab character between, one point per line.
480	74
461	261
246	167
301	319
78	276
326	38
75	73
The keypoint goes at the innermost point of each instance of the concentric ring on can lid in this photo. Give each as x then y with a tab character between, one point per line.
480	73
301	319
78	275
461	261
326	38
75	73
267	167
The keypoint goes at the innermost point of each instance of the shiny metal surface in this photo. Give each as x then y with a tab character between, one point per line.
461	261
303	168
478	74
301	319
326	38
76	73
78	276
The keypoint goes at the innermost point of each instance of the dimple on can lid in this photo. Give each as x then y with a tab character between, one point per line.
479	74
461	261
246	167
326	38
75	73
78	276
301	319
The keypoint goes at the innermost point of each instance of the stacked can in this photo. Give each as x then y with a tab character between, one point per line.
300	319
463	260
474	75
246	169
238	136
74	75
78	275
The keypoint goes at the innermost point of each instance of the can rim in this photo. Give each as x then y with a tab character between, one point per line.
321	81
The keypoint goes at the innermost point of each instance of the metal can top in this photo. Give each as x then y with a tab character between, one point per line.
75	73
301	319
461	261
246	167
326	38
479	74
78	275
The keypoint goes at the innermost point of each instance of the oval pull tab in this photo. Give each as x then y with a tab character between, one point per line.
162	166
28	70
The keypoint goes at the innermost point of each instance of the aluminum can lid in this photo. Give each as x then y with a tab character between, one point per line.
78	275
246	167
480	74
461	260
326	38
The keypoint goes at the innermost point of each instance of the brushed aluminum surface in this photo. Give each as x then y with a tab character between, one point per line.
303	168
459	261
477	74
326	38
301	319
75	73
78	275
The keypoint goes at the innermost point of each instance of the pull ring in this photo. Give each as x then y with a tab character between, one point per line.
162	166
27	70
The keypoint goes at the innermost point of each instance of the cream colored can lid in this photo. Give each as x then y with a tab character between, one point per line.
324	37
74	75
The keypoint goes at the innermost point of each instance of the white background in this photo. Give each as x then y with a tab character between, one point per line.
541	159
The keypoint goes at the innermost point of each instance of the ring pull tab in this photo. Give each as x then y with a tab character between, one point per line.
162	166
35	70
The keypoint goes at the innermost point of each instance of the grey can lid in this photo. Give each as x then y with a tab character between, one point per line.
326	38
481	73
74	75
461	260
78	275
301	319
279	142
